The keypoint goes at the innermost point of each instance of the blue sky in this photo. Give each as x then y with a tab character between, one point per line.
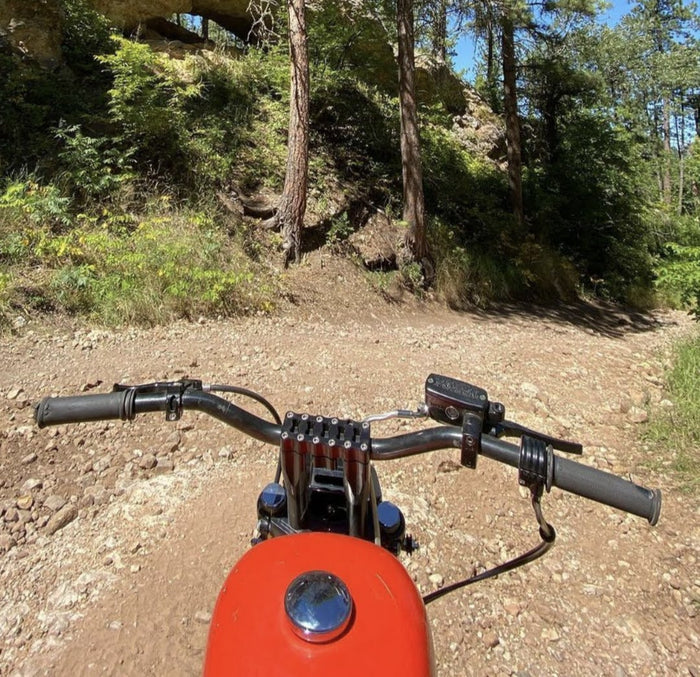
464	60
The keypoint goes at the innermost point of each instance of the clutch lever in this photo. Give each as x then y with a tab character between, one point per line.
512	429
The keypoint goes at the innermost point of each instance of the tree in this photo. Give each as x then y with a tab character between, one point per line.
662	58
557	81
586	177
485	27
510	106
502	19
291	208
411	165
433	27
526	28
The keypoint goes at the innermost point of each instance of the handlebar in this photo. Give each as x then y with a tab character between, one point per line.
565	474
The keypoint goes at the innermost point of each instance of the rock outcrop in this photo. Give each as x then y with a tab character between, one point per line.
32	29
479	129
476	126
128	15
435	81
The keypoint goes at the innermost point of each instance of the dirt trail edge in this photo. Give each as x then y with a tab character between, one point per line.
115	537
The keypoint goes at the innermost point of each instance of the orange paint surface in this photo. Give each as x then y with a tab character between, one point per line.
250	633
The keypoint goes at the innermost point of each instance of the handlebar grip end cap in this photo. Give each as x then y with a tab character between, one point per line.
40	412
655	507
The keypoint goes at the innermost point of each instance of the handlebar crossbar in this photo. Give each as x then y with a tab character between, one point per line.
566	474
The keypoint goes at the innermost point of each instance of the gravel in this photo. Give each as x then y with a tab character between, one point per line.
98	521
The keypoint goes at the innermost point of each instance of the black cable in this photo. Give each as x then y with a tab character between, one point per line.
547	534
526	558
248	393
237	390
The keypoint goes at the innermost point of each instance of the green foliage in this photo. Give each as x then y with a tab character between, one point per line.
412	277
589	204
26	203
13	88
124	124
86	33
30	102
381	280
675	432
147	102
93	167
237	126
165	269
678	275
340	229
462	189
196	122
356	125
33	100
467	277
345	39
5	297
169	265
478	273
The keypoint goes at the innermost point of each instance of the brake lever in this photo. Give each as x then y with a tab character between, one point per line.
512	429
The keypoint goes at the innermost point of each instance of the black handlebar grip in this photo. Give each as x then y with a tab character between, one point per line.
98	407
606	488
585	481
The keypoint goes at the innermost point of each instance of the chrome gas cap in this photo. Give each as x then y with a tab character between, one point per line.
318	606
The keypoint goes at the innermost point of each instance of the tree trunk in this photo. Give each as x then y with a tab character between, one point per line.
440	31
292	205
490	69
411	166
492	82
680	141
549	114
205	28
666	177
510	105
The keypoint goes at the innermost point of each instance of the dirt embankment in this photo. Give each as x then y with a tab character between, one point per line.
114	538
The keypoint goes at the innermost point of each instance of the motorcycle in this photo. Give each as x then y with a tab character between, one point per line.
322	591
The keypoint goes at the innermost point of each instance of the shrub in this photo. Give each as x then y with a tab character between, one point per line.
172	265
675	431
86	33
462	189
119	269
470	273
26	203
146	102
590	204
93	168
678	265
198	122
466	275
678	276
5	293
340	230
33	99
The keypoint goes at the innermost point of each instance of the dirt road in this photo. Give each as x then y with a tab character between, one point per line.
116	537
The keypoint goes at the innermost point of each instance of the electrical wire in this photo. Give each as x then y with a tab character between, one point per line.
248	393
237	390
547	534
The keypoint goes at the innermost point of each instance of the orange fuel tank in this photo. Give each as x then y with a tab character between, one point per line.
252	634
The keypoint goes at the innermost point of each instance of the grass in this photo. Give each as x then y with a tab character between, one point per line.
675	432
165	262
